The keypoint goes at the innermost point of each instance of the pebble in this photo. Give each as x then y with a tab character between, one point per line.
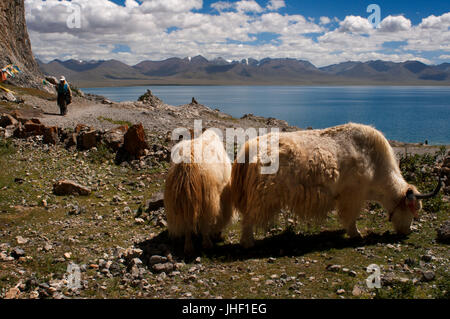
139	221
166	267
156	259
21	240
334	268
356	291
428	275
17	253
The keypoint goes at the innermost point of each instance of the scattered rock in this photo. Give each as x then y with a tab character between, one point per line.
114	138
12	293
166	267
443	233
428	275
156	202
87	139
134	141
334	268
156	259
356	291
7	120
340	291
51	135
21	240
66	187
17	253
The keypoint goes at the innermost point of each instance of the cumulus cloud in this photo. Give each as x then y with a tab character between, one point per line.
222	5
325	20
275	5
355	24
432	22
395	24
150	6
158	29
248	6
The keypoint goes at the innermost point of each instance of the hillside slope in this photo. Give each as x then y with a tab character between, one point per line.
15	47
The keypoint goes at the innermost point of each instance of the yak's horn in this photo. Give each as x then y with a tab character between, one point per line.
433	193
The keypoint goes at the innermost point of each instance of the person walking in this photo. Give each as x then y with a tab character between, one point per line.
64	95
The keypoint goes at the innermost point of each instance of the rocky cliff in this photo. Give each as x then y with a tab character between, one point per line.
15	44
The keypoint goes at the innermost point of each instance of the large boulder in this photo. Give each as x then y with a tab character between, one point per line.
87	139
134	141
7	120
114	138
33	128
51	135
66	187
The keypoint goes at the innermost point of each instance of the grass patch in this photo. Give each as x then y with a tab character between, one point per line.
6	147
101	155
116	122
399	291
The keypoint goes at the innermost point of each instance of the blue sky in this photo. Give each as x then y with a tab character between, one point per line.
322	31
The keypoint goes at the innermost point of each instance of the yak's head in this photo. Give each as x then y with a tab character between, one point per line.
408	207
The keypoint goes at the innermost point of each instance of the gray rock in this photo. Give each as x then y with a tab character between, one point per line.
156	202
443	233
428	275
17	253
156	259
334	268
166	267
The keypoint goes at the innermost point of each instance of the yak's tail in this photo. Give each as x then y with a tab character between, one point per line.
183	198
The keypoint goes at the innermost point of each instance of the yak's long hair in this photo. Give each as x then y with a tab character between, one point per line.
197	195
319	170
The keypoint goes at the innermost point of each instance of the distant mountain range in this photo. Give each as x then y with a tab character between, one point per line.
200	71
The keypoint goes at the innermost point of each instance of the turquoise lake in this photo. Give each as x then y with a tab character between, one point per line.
408	114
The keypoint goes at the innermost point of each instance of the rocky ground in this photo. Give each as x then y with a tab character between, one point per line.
108	223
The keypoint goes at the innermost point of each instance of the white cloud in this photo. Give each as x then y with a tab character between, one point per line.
153	6
355	24
325	20
275	5
248	6
432	22
222	5
230	32
395	24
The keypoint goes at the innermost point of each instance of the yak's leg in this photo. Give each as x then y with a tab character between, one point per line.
349	211
247	239
206	241
188	245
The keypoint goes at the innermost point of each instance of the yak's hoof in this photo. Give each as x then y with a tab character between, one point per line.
247	243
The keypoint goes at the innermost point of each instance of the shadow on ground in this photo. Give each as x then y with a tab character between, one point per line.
287	243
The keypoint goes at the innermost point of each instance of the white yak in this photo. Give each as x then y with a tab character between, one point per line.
197	196
320	170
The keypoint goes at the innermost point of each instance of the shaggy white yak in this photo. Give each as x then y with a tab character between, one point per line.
197	196
320	170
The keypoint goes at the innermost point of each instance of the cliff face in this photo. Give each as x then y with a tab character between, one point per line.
15	44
